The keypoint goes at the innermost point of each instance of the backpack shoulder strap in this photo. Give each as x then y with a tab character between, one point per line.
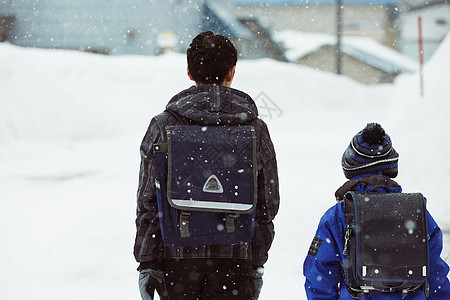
177	116
349	210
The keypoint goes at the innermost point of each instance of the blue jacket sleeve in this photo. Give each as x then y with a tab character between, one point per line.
437	279
322	266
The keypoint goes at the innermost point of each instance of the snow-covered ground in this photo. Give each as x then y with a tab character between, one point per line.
70	128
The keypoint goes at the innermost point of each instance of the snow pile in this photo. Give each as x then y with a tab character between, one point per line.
70	129
48	94
422	127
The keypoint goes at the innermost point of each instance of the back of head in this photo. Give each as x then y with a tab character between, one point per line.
210	56
370	153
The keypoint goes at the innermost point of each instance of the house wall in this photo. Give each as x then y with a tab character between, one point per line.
125	26
435	26
324	59
358	19
108	26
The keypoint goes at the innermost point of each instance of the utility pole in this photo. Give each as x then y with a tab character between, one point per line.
338	36
420	42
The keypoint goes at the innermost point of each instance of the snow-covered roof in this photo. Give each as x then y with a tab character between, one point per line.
299	44
378	55
226	22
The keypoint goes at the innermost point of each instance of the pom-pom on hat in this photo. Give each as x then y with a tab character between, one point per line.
370	152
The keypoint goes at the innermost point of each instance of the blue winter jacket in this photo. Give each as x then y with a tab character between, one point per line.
322	267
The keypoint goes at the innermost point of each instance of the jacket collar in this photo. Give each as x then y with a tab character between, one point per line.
214	105
364	183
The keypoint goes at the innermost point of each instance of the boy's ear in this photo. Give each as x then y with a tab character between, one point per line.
189	74
230	74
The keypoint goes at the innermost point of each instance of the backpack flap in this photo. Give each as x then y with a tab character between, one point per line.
210	185
390	240
212	168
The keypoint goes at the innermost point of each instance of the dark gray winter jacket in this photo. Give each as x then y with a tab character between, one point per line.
207	105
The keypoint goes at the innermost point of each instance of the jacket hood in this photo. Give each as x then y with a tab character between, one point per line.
366	183
214	105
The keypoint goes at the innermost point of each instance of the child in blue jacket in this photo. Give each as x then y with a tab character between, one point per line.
369	161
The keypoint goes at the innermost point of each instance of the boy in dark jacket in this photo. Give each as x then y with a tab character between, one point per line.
214	271
369	161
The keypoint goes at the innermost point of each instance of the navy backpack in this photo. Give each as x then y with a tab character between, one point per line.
386	242
206	185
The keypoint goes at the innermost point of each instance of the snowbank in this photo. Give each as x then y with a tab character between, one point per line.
421	125
49	94
70	128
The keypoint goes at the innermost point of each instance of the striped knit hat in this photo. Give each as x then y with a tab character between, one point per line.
370	152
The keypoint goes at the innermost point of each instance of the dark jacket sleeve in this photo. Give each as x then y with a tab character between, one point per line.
148	245
268	197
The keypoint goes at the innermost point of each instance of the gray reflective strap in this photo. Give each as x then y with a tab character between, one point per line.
184	224
229	222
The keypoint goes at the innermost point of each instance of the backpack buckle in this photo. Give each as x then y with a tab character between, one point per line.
184	224
348	232
229	222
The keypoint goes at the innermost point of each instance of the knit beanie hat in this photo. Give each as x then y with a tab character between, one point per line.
370	152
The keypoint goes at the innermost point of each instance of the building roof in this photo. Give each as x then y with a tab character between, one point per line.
423	4
377	55
310	2
300	44
222	20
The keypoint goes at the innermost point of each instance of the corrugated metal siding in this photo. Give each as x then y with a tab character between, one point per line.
118	27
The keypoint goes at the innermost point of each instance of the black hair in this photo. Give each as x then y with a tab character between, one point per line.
210	56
